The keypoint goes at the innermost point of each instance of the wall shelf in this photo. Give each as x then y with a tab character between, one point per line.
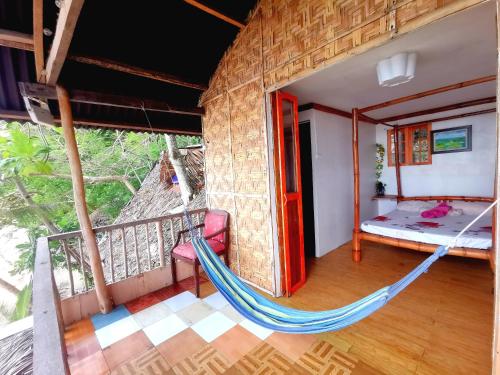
387	196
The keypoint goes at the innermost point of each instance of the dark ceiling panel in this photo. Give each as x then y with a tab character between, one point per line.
178	39
167	36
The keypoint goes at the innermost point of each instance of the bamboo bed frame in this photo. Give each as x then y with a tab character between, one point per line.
359	114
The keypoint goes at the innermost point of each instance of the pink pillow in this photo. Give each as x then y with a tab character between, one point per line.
440	210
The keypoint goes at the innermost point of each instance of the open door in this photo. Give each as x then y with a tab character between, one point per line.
289	189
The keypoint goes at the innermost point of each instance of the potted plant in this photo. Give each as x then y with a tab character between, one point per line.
380	188
379	166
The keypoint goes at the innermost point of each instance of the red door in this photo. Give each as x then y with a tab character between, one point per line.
289	186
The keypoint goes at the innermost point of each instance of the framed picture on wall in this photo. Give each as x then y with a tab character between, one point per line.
452	140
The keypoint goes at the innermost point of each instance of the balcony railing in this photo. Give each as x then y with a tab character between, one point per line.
127	249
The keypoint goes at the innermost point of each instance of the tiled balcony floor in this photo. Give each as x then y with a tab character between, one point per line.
173	332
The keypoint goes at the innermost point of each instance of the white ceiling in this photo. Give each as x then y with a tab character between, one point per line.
456	49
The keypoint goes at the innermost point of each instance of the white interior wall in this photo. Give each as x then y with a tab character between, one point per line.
331	144
462	173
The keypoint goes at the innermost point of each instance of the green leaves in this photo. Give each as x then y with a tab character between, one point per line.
22	154
379	161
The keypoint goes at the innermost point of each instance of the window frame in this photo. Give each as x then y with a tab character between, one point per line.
408	149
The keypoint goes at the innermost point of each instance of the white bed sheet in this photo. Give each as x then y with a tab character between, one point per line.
411	226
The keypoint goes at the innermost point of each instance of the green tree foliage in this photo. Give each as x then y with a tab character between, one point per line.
37	156
35	184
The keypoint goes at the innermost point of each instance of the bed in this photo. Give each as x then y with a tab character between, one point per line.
411	226
405	227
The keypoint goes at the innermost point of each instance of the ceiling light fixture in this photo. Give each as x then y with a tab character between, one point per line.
396	69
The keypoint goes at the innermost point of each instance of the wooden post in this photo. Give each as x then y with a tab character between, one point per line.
396	162
496	321
161	243
103	296
356	241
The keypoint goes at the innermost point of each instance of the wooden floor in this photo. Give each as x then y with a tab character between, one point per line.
441	324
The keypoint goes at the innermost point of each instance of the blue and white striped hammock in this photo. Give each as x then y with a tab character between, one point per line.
265	313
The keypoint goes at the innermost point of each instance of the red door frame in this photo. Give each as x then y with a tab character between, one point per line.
283	195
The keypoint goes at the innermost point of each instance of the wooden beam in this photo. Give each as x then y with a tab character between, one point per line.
215	13
38	38
335	111
34	90
65	27
130	126
137	71
102	292
7	115
102	124
356	241
424	247
423	94
112	100
462	198
452	117
469	103
15	39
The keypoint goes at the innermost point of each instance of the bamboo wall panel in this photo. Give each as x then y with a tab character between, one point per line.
283	41
217	139
247	132
218	84
244	63
410	10
254	240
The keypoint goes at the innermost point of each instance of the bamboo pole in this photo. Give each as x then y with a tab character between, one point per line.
356	244
447	198
423	94
465	252
397	162
103	296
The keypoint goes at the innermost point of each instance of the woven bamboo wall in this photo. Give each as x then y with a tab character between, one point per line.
283	41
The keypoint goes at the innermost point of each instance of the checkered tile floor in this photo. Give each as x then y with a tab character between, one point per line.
173	332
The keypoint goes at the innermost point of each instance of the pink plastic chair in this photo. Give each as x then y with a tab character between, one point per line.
215	231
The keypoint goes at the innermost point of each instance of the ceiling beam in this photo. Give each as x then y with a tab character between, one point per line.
15	39
34	90
134	70
446	118
215	13
103	124
423	94
38	38
469	103
335	111
65	27
113	100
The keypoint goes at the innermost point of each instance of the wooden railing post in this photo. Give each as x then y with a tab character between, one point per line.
356	241
103	296
161	243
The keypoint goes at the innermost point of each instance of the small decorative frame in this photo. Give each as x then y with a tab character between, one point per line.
448	140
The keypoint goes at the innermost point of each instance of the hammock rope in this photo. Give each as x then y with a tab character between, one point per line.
265	313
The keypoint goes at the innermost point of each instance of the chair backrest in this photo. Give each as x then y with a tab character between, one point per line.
215	220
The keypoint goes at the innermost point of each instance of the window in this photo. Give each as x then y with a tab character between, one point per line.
414	145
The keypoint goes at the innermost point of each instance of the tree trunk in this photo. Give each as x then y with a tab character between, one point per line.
177	161
102	292
9	287
36	208
40	212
